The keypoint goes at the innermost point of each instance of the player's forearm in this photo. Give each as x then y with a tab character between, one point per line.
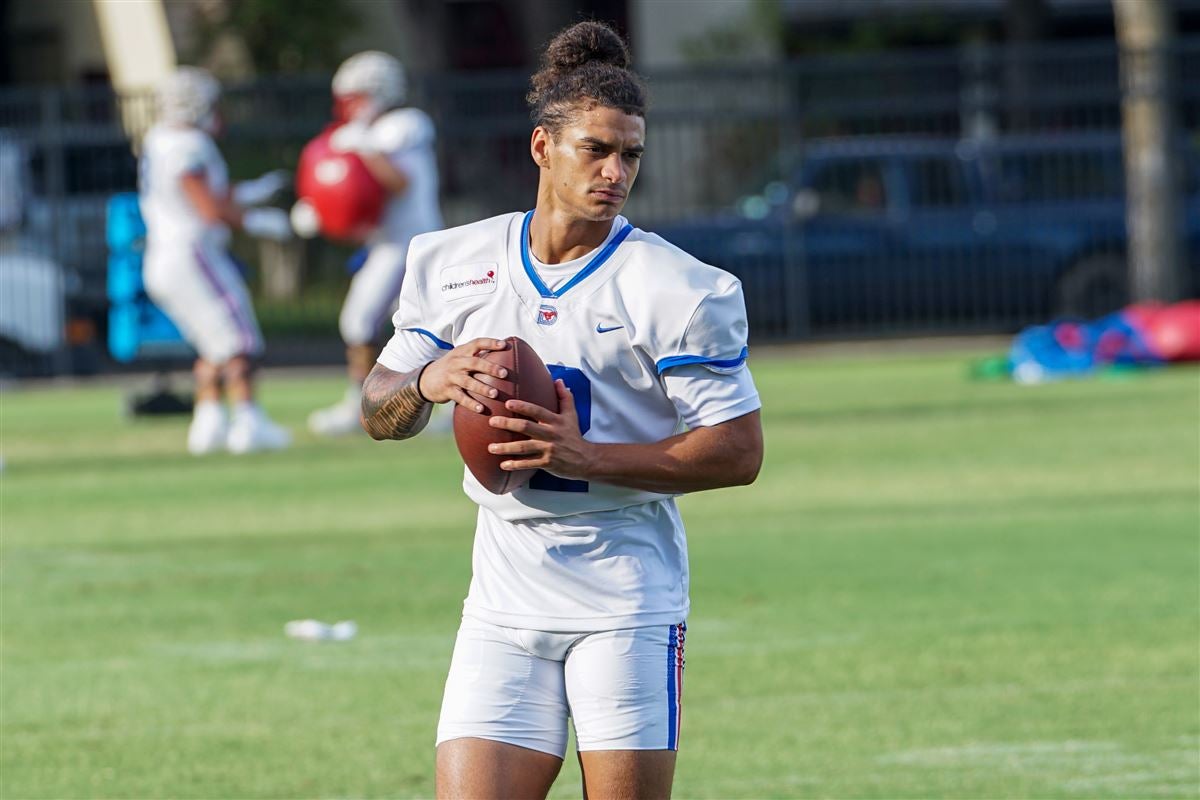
663	468
392	405
388	174
224	211
704	458
212	208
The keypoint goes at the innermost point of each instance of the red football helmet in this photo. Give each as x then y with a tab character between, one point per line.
346	197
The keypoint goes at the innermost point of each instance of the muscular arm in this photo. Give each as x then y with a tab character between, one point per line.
211	207
728	454
392	407
391	177
396	405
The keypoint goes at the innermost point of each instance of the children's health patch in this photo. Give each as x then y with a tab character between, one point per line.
464	280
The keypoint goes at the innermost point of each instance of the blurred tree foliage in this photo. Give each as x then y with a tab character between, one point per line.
279	36
758	32
765	30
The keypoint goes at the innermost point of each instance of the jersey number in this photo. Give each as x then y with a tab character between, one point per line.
581	390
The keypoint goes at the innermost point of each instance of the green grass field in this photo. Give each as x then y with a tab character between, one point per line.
937	588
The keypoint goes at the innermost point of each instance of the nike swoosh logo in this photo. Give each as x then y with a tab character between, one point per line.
601	329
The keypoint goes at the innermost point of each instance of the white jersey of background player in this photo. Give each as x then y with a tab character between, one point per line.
580	583
188	207
397	146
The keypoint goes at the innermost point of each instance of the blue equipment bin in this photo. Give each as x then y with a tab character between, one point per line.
125	229
124	283
136	327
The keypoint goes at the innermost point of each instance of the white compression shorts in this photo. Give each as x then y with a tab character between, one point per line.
623	688
201	289
373	294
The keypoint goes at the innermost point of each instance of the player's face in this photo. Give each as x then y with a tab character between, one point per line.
592	163
213	124
347	107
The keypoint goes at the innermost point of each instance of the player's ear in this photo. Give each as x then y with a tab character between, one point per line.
539	147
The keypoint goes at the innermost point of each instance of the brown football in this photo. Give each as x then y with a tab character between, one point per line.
528	380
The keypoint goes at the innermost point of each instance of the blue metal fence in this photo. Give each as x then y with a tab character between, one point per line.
962	190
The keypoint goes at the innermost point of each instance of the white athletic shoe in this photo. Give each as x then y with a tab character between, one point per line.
252	430
341	418
209	429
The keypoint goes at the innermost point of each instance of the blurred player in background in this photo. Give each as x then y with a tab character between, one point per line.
188	208
397	147
579	592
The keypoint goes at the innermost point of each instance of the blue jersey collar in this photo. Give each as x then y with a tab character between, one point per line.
593	265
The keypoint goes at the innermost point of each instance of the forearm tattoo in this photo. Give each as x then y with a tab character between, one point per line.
392	407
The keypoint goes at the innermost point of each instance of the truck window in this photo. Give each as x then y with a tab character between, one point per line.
936	183
851	187
1076	175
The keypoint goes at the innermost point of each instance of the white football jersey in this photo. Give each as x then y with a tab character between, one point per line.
406	137
168	153
639	308
649	340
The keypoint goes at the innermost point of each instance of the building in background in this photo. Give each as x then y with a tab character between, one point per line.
63	42
50	43
744	93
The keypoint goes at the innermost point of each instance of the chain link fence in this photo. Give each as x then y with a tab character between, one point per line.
976	189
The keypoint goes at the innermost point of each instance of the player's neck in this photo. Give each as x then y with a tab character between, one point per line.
555	237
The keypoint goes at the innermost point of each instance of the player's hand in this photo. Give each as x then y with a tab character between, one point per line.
305	220
554	444
352	137
451	376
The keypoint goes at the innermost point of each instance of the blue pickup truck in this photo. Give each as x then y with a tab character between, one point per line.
880	234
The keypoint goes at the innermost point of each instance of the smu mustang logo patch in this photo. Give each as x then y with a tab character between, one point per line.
547	315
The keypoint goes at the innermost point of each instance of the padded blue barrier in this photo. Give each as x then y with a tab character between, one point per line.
126	230
136	327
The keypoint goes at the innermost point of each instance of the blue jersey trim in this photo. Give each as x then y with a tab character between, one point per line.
588	269
679	361
431	337
672	689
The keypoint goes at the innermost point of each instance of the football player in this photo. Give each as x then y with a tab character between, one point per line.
188	207
397	146
579	595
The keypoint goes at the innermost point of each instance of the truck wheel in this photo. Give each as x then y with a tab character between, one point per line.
1095	286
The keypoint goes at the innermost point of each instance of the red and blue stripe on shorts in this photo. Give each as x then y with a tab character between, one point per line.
246	327
675	637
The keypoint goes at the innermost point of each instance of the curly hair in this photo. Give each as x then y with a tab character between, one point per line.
585	65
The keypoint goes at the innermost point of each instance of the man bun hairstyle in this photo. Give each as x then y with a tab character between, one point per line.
585	65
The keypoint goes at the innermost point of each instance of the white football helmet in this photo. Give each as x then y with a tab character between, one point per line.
189	97
377	75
